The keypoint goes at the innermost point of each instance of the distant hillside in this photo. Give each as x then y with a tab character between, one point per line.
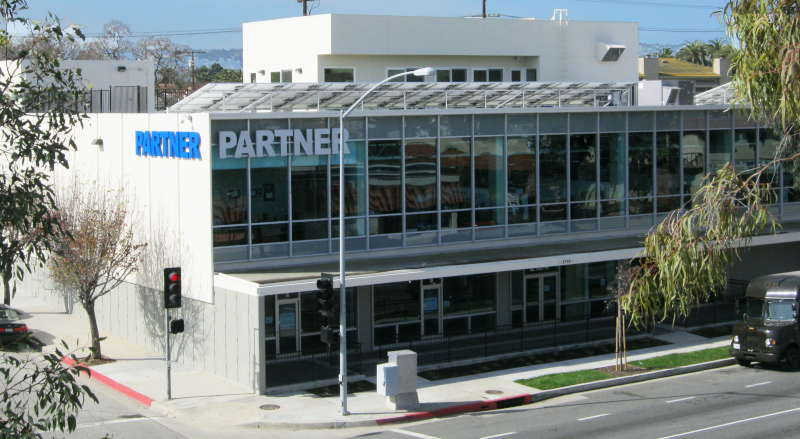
227	58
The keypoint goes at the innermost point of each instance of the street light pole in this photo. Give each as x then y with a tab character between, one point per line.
427	71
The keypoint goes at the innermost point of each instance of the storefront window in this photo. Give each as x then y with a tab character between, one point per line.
396	302
309	187
719	148
489	171
420	175
612	173
385	167
355	201
583	173
553	174
521	179
456	176
668	181
468	294
640	172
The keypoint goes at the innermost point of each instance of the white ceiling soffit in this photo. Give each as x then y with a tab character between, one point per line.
334	96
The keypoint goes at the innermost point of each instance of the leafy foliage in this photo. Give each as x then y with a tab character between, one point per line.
40	394
216	73
685	258
98	249
38	111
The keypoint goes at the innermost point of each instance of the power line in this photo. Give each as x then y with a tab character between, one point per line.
654	29
172	33
642	3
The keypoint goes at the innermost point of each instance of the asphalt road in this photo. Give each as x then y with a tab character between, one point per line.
731	402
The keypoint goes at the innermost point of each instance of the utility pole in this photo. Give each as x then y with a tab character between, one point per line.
305	8
191	64
484	8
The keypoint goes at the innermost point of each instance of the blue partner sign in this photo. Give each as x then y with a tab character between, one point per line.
180	144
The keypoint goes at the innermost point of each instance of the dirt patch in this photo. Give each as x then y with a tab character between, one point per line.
631	370
88	362
530	360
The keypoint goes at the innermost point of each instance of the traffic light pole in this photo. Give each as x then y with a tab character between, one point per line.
166	343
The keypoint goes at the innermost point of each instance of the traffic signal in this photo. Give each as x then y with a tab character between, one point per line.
172	287
325	295
176	326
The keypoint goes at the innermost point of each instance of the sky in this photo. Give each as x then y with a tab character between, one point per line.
216	24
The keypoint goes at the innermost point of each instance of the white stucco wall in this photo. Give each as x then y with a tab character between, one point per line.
172	196
563	51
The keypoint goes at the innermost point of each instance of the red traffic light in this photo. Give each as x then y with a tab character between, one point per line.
174	277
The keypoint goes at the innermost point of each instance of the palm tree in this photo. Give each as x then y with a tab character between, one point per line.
695	52
665	52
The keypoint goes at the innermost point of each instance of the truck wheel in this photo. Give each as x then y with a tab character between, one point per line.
792	359
743	363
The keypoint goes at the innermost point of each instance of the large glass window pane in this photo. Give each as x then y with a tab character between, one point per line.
668	120
694	161
396	302
521	124
640	121
601	275
309	187
490	124
269	233
309	230
385	127
489	171
269	189
456	176
456	219
640	165
573	282
384	177
719	148
495	75
521	179
490	217
455	126
583	168
583	123
385	225
553	168
355	201
468	294
420	126
668	163
612	166
420	175
459	75
421	222
744	150
552	123
230	236
612	122
228	179
694	120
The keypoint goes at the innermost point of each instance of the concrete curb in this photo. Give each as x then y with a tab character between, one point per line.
99	377
495	404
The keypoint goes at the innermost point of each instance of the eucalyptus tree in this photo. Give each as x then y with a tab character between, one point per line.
39	108
686	257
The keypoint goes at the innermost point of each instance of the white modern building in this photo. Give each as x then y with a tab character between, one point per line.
481	219
364	48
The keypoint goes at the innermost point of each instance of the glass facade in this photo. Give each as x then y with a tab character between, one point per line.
459	178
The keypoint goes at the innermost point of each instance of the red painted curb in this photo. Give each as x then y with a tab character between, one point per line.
99	377
492	404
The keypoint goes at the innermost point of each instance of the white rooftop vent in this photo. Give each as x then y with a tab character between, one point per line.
609	51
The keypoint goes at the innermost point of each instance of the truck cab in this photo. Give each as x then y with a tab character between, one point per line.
768	331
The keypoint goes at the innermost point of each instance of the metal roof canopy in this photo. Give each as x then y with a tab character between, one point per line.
332	96
722	95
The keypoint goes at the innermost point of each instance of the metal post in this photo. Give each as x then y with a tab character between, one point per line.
342	293
169	366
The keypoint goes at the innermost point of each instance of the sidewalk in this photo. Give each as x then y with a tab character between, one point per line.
204	398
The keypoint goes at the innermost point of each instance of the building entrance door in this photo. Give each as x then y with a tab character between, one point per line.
541	297
432	309
288	326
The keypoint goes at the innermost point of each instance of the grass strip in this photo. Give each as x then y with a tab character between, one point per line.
677	360
556	380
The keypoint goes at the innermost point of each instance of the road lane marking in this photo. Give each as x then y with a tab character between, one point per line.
759	384
115	421
411	433
730	423
679	400
500	435
595	416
